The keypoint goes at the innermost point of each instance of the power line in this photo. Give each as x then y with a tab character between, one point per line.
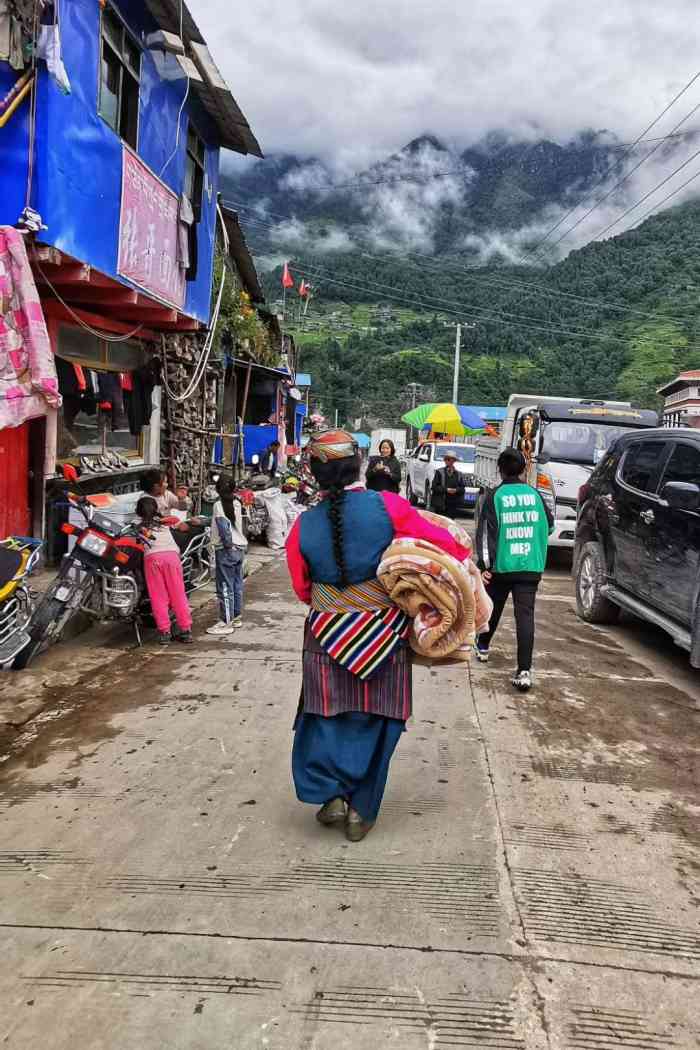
438	265
622	181
636	142
668	197
460	309
363	179
646	196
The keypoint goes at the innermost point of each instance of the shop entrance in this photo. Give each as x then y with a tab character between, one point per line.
15	504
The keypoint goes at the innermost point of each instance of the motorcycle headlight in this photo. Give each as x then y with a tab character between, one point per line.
93	544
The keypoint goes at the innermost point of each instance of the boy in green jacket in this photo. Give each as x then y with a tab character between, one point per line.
511	549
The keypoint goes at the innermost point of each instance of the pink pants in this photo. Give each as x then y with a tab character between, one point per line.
166	589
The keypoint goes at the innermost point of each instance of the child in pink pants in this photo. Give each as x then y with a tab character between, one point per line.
164	579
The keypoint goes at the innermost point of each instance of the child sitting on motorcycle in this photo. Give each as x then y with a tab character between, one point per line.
163	571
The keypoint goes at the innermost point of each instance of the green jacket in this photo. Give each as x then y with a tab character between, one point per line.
514	527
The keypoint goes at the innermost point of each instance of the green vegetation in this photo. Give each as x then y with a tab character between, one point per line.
641	329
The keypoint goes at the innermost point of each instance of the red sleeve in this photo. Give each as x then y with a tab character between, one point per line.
298	569
409	524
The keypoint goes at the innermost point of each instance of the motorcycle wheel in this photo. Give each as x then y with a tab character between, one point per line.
49	611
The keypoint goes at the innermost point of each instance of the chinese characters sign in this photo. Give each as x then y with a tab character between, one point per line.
148	233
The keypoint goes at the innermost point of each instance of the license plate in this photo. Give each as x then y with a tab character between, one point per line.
63	594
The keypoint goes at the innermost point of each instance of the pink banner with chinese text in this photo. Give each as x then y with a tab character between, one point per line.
148	233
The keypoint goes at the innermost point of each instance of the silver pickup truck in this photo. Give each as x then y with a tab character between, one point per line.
427	458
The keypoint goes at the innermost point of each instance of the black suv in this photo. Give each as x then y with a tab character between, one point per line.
638	535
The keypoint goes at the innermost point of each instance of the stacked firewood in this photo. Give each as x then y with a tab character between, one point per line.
186	426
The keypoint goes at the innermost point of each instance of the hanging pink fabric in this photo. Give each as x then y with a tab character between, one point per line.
28	381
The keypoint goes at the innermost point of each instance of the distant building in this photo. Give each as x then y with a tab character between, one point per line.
682	400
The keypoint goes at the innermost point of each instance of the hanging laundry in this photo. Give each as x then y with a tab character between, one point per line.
185	219
28	380
140	403
11	37
49	46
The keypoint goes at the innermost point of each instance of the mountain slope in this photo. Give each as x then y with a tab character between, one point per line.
626	321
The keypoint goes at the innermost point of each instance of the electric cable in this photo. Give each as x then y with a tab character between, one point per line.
633	146
621	182
437	263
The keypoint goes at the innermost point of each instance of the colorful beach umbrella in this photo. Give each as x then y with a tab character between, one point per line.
455	420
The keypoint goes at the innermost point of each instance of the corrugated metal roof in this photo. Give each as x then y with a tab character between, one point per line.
234	130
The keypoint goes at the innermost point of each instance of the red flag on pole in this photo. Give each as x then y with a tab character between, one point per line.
303	289
287	279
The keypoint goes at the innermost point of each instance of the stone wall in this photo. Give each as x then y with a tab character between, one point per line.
186	449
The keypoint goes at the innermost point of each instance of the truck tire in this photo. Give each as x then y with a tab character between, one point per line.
591	604
410	494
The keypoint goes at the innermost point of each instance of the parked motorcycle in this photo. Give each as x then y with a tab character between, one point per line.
18	557
103	577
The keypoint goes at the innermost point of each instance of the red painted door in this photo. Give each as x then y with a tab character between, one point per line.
15	514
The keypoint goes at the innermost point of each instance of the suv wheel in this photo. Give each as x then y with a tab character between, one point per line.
591	604
410	494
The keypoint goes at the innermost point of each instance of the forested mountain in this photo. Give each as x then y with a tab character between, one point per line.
614	319
451	236
433	196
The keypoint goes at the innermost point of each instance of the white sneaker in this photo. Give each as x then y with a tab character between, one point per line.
482	655
219	629
237	621
523	681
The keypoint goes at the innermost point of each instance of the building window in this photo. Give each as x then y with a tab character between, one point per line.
120	71
195	157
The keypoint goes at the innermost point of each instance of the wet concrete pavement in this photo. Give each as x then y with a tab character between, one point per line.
533	881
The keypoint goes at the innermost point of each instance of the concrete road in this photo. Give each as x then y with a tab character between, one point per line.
532	882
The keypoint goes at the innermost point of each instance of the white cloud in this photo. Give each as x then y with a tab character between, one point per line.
351	82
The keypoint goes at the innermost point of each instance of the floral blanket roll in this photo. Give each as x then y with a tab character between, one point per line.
445	598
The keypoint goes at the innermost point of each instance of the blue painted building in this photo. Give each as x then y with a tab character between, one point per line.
126	95
112	121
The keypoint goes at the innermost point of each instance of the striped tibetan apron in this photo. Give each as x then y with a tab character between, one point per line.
358	626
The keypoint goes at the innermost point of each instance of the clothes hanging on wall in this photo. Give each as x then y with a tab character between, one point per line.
28	380
140	398
49	45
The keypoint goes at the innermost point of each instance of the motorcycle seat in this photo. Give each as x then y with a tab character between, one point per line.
12	563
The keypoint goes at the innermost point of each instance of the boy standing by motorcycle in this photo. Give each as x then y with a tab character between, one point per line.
230	545
164	579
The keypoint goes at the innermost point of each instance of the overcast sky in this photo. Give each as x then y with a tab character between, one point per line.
351	81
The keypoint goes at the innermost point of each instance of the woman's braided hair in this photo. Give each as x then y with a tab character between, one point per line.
333	476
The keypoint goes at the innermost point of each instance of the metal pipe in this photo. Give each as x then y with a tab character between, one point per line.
16	102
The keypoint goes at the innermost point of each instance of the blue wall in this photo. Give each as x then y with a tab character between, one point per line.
78	165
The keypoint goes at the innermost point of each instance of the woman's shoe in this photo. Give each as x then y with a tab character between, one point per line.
332	812
355	827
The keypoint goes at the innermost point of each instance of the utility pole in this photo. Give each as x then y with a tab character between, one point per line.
458	347
413	387
336	418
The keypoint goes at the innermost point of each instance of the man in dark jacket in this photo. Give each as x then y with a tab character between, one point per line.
511	551
270	459
447	492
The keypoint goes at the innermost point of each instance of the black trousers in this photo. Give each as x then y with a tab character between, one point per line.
524	593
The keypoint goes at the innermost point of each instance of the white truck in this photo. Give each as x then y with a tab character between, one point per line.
396	436
427	458
563	439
